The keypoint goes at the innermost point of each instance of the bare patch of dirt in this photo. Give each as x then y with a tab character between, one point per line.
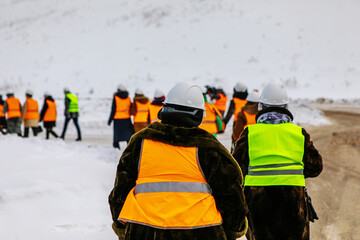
336	192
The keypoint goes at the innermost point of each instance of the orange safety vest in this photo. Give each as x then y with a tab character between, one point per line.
1	110
170	194
13	107
239	104
220	103
50	114
122	108
32	110
142	111
209	122
250	118
153	111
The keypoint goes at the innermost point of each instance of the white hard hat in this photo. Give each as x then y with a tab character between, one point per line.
253	97
240	87
186	94
274	95
139	91
158	93
47	94
29	92
66	89
121	87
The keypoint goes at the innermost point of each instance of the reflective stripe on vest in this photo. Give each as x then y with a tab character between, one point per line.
250	118
239	104
153	111
209	122
171	191
122	108
275	155
142	111
220	103
50	114
73	106
13	107
172	187
1	110
32	110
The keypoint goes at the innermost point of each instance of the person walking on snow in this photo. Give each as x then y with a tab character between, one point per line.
30	114
247	115
155	106
276	156
219	96
120	114
212	121
48	115
140	110
237	102
176	181
71	112
2	116
12	109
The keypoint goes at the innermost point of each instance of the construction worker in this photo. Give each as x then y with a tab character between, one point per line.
120	114
219	97
237	102
176	181
276	156
247	114
155	106
12	109
2	117
212	121
140	110
30	114
48	115
71	112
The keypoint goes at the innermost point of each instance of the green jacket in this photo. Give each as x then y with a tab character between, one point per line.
221	171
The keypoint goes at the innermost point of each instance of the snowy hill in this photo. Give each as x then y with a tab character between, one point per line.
91	46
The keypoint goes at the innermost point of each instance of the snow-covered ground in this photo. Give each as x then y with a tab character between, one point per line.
58	189
54	189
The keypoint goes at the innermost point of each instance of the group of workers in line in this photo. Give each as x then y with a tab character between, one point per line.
175	180
242	107
13	114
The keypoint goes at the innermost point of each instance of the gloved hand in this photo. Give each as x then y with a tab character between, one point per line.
109	122
120	232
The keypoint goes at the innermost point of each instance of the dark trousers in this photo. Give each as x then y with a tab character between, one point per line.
75	120
26	131
48	131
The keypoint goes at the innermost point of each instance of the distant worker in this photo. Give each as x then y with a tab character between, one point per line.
276	156
247	115
176	181
71	112
12	109
30	114
219	97
155	106
48	115
140	110
212	122
120	114
236	104
2	116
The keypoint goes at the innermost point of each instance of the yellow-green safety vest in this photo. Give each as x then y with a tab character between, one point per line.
73	106
275	155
